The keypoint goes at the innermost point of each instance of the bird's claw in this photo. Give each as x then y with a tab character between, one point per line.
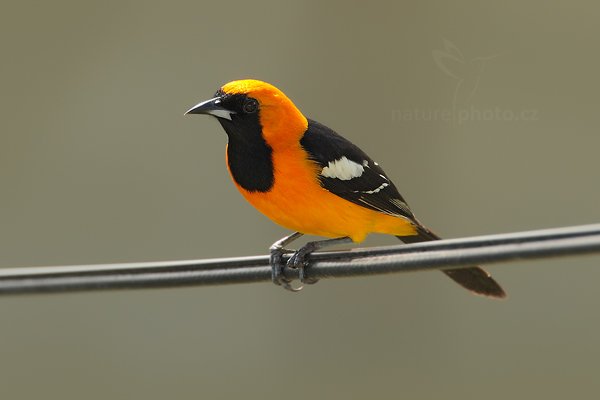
299	261
277	265
296	261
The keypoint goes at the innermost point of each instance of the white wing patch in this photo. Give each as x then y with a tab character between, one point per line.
376	190
343	169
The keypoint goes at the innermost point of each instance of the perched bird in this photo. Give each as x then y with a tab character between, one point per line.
307	178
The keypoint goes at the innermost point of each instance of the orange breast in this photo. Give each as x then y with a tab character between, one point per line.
299	203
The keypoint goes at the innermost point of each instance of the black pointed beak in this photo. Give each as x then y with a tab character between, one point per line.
211	107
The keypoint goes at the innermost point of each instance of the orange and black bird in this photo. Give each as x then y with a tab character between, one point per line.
308	178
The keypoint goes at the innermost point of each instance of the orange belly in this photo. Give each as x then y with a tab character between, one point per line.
298	202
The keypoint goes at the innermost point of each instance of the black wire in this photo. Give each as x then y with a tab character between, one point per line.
441	254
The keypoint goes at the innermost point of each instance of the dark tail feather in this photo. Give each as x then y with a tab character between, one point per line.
475	279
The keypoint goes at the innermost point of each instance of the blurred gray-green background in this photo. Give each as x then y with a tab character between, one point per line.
484	113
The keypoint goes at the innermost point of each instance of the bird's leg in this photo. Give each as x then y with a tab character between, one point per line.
298	259
277	250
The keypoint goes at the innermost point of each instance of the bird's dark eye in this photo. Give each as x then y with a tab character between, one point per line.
250	106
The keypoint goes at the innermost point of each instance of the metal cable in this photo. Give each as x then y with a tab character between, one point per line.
453	253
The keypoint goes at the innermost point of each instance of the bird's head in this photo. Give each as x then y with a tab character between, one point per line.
246	107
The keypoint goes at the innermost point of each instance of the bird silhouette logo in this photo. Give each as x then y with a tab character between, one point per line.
466	72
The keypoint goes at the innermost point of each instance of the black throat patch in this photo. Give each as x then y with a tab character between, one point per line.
249	156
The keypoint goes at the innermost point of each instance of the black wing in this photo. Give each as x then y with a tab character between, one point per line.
350	173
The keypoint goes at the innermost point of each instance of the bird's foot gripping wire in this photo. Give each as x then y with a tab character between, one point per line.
298	260
276	260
